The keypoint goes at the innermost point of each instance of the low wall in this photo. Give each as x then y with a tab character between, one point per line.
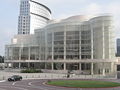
4	76
66	71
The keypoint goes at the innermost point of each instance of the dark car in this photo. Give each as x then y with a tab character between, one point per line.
15	78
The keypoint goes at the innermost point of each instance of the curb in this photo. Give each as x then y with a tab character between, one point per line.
3	81
45	83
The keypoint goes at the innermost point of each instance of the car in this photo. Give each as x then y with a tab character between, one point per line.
15	78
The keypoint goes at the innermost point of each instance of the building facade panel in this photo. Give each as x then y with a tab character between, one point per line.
33	15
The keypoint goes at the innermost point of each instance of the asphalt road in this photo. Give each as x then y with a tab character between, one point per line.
39	85
30	85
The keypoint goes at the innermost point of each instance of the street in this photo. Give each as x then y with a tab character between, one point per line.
39	84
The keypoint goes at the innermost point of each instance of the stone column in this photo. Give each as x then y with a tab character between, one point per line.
64	66
92	69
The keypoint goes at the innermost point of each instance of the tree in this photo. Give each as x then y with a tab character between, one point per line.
1	59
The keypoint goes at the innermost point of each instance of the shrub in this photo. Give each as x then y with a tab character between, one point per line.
49	81
31	71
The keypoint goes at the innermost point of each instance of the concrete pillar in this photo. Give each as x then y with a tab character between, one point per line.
79	66
111	67
28	53
114	68
52	64
45	66
91	42
92	69
103	71
20	49
11	65
64	45
39	52
46	49
103	40
28	64
80	46
7	64
11	53
52	46
64	66
19	65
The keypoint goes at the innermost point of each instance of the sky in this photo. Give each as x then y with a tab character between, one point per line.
9	11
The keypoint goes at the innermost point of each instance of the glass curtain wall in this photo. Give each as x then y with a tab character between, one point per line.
58	45
72	45
85	42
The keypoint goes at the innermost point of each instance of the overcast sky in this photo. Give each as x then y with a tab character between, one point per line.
9	11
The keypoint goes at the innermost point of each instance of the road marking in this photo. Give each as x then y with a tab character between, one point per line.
14	83
38	87
44	83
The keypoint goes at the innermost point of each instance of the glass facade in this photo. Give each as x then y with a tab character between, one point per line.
70	41
85	47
